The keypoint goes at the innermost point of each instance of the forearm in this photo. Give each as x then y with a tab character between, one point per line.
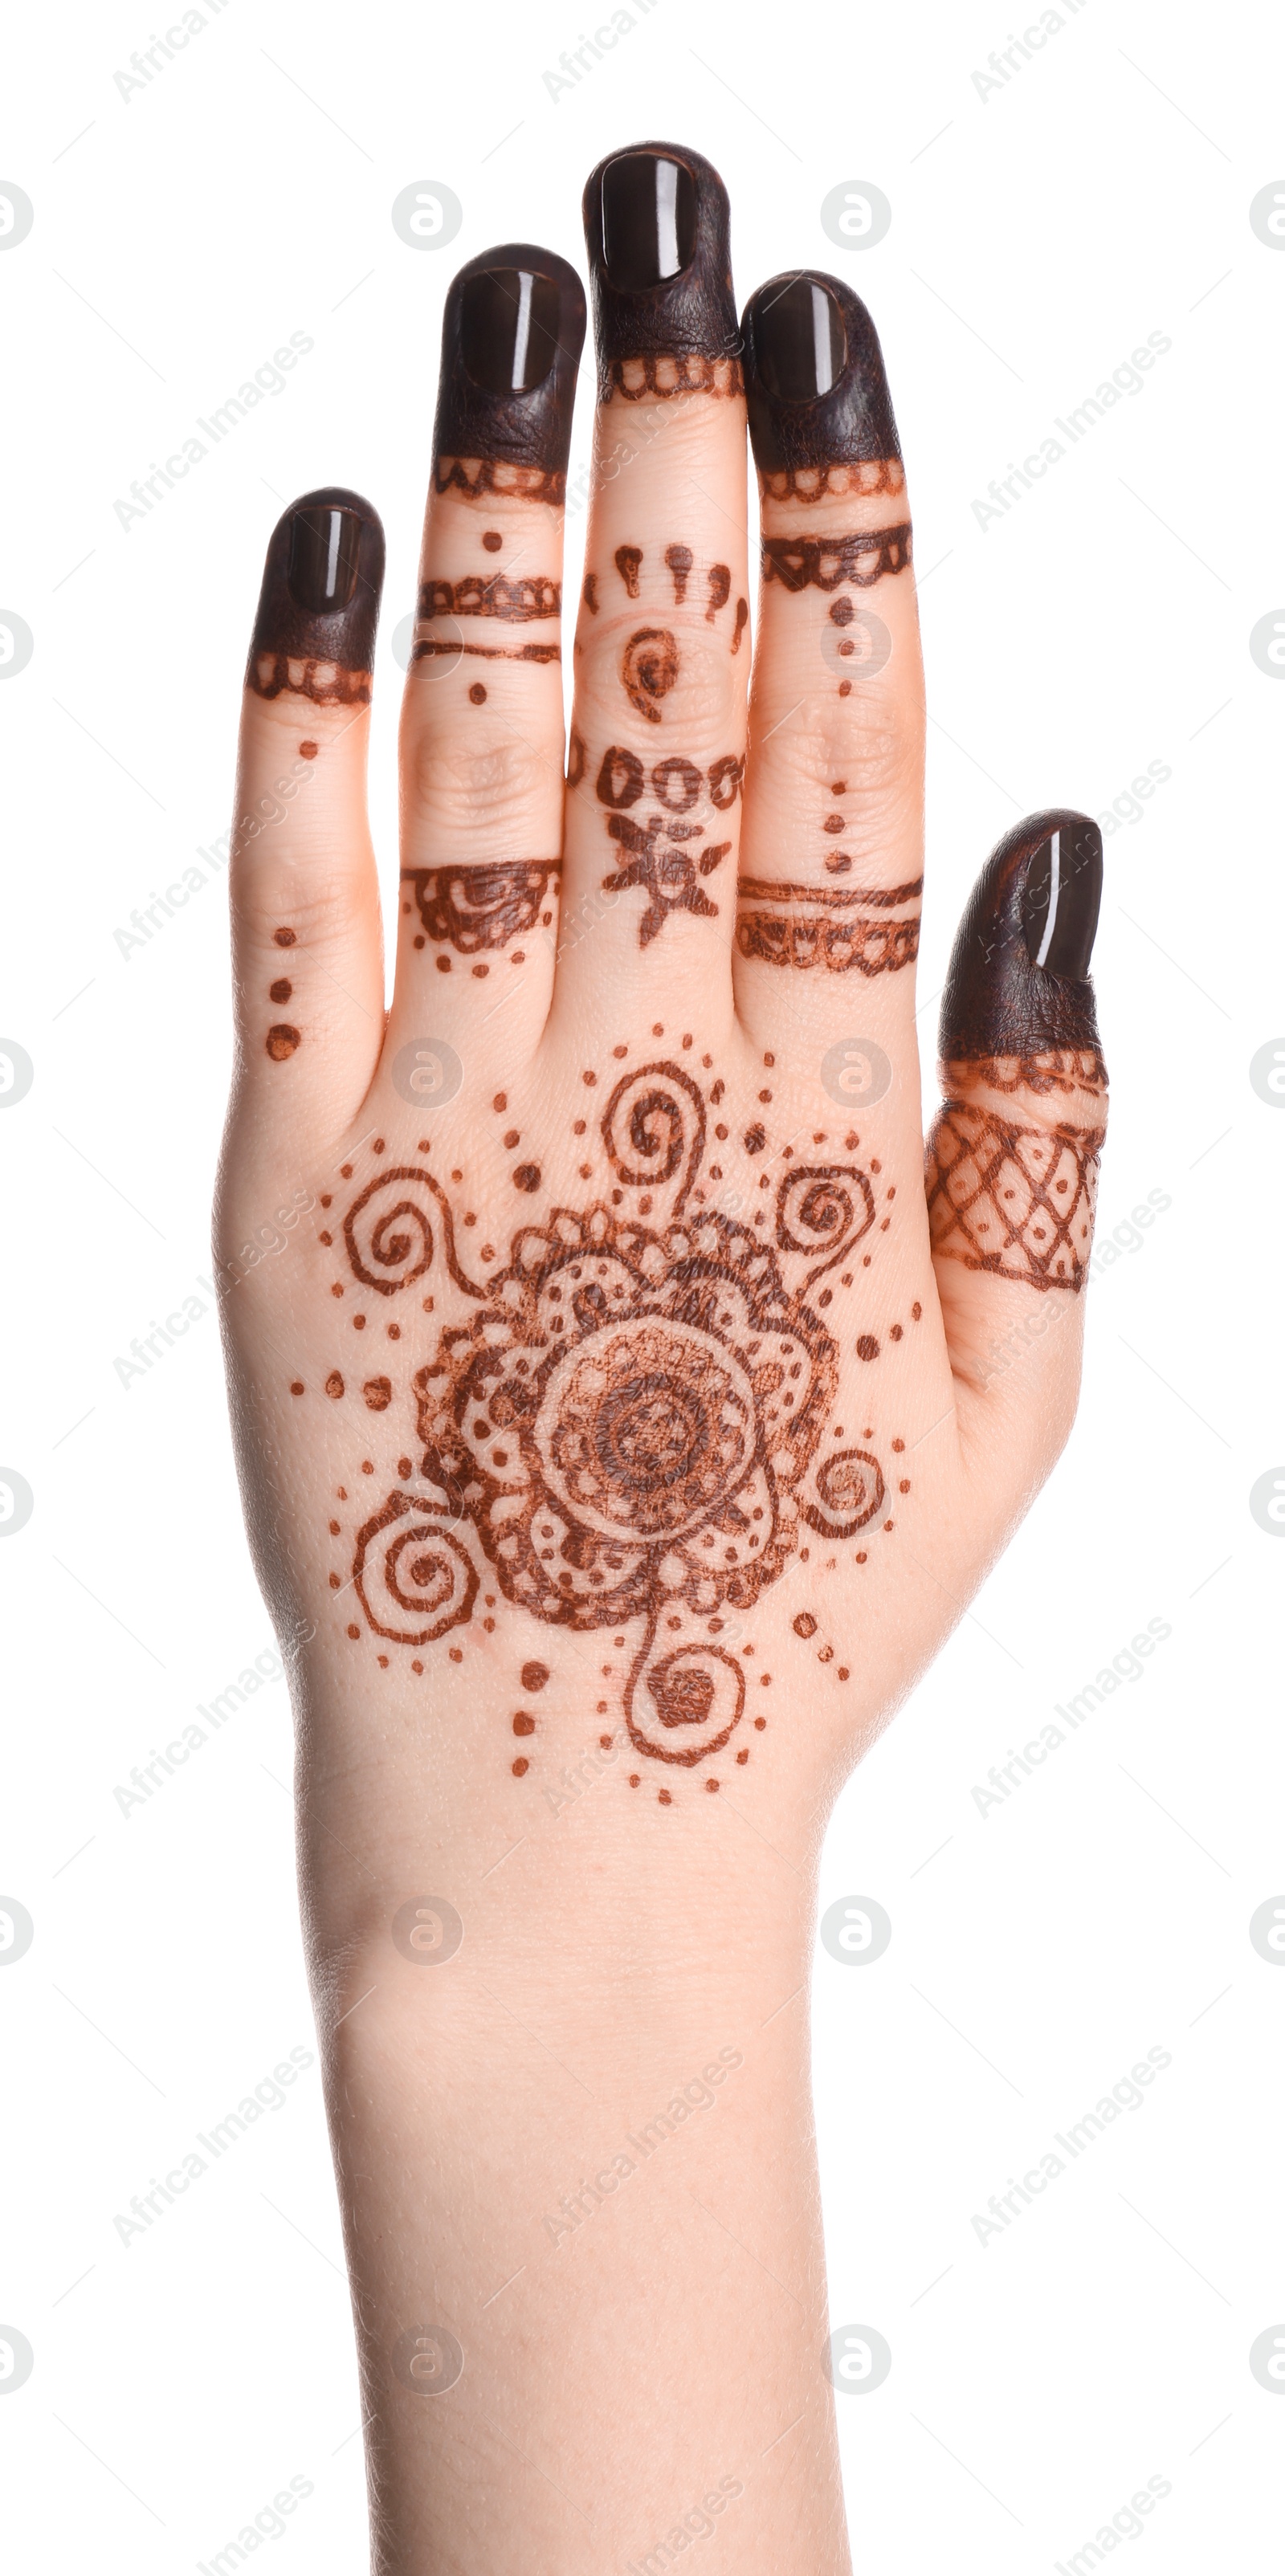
582	2147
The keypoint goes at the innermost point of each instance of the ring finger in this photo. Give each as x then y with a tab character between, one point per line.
482	731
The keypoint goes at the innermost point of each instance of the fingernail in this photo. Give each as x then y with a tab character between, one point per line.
658	229
314	634
814	379
1061	897
800	342
512	333
509	328
648	219
324	546
1018	982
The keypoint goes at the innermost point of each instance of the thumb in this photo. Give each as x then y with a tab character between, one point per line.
1013	1156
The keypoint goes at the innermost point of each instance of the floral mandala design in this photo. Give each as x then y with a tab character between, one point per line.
631	1424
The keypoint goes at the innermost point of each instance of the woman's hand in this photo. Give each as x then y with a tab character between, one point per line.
622	1424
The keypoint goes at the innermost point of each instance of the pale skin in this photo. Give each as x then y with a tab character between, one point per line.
667	2332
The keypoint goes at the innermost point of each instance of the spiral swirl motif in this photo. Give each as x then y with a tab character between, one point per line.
823	1207
413	1578
649	668
653	1127
387	1230
849	1490
683	1707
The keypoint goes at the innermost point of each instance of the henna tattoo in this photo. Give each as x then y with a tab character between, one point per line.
476	908
281	1042
815	926
589	594
326	683
827	561
671	372
421	1583
635	1428
657	227
628	560
815	382
649	668
668	876
477	477
742	621
1064	1069
653	1128
631	1431
823	1207
1018	1014
726	779
849	1494
719	578
842	482
871	947
494	595
679	560
450	648
512	331
877	898
398	1239
1018	1201
314	633
1018	977
675	783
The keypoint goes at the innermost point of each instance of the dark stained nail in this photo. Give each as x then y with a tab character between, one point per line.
658	229
648	219
800	342
1061	898
324	548
814	375
319	604
509	328
1018	982
512	333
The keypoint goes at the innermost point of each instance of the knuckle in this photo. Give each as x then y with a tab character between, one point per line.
873	744
493	788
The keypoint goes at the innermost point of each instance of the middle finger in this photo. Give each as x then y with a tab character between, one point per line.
658	733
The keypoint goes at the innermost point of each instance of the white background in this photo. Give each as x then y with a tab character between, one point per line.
1039	235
